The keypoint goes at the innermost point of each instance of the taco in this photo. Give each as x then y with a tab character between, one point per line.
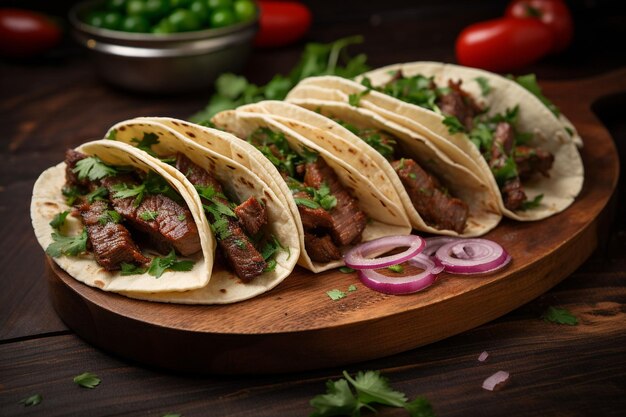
513	140
336	205
439	195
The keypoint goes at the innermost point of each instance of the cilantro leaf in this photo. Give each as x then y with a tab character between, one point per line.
529	82
32	400
559	316
70	194
93	168
149	215
420	407
67	245
112	135
110	216
338	400
271	247
126	191
99	193
130	269
352	288
454	124
306	203
372	387
159	265
483	83
87	380
346	270
531	204
59	220
145	144
220	227
336	294
396	268
271	265
505	172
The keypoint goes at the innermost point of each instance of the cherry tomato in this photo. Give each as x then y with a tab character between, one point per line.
282	23
24	33
503	44
553	13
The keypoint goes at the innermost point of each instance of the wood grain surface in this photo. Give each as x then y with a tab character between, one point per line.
55	102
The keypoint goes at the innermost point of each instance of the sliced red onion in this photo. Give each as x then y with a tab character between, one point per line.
495	379
405	284
434	243
362	256
483	356
472	256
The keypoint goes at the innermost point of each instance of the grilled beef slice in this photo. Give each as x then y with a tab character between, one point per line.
513	194
321	249
111	242
348	221
531	161
435	206
457	102
252	215
71	178
236	247
173	226
313	218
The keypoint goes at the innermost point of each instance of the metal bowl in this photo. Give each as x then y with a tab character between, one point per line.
170	63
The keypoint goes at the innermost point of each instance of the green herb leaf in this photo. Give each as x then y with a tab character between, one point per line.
328	202
32	400
336	294
149	215
59	220
67	245
531	204
159	265
271	247
110	216
454	124
145	144
355	99
125	191
93	168
420	407
485	88
130	269
271	265
306	203
338	401
181	217
99	193
529	82
112	134
559	316
505	172
396	268
70	194
219	226
346	270
371	387
87	380
352	288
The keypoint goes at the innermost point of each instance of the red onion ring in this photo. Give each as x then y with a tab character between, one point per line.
405	284
434	243
472	256
359	257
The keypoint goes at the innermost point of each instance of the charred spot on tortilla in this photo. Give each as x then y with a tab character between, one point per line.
175	123
190	134
122	128
231	167
239	155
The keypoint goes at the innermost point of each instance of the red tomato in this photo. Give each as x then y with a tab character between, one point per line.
282	23
24	33
553	13
503	44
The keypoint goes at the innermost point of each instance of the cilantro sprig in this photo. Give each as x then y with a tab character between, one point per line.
145	144
153	184
559	316
32	400
87	380
93	168
59	220
159	265
317	59
529	82
67	245
369	388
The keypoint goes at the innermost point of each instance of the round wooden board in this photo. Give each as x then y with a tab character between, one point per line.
296	326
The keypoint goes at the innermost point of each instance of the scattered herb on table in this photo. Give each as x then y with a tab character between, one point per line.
346	270
32	400
87	380
559	316
352	288
369	388
336	294
317	59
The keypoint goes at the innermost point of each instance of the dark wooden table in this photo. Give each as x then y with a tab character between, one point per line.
57	102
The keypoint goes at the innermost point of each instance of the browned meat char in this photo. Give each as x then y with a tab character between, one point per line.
313	218
513	194
321	249
457	102
252	215
111	242
531	161
236	247
71	178
173	225
348	221
432	202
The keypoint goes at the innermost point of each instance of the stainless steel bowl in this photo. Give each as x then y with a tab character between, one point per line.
171	63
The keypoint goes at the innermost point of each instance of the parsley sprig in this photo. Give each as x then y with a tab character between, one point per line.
59	220
369	388
153	184
67	245
93	168
159	265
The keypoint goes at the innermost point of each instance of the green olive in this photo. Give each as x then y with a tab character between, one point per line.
163	27
136	8
222	17
156	9
96	19
116	5
200	10
219	4
244	10
137	24
183	20
112	21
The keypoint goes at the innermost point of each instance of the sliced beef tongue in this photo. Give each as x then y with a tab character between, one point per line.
235	245
459	103
348	221
321	249
71	178
436	207
252	215
531	161
173	225
111	242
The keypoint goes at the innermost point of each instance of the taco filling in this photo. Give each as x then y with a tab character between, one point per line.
506	150
330	216
430	198
122	210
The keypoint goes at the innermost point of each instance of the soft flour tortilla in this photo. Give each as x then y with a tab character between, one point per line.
238	182
48	201
386	219
566	175
315	125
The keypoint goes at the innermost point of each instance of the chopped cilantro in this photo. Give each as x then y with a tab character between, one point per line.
416	90
352	288
130	269
270	144
271	265
346	270
99	193
336	294
529	82
412	175
145	144
93	168
306	203
369	388
125	191
505	172
308	155
481	135
454	124
159	265
153	184
70	194
67	245
569	131
483	83
149	215
328	202
112	134
396	268
59	220
181	217
110	216
355	99
87	380
32	400
373	137
531	204
220	228
270	247
559	316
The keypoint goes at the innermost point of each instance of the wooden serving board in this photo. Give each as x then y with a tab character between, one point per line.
296	326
